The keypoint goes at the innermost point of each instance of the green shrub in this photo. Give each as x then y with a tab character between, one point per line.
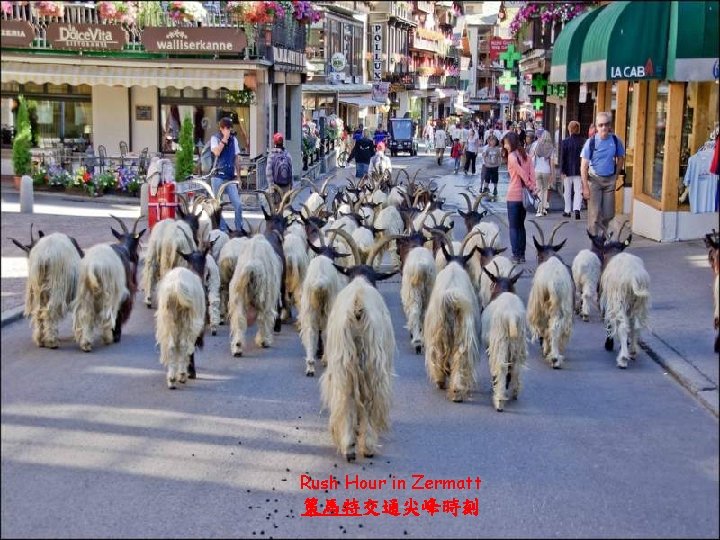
22	159
184	154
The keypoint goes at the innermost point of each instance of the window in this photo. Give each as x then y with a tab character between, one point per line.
657	96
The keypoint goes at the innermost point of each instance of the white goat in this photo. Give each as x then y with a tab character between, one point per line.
550	305
418	278
226	264
586	271
502	267
255	284
53	267
212	286
451	329
180	319
391	223
167	239
625	301
296	265
217	239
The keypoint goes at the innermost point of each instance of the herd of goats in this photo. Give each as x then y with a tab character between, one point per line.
323	260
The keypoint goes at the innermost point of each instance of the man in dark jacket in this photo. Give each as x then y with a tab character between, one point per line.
362	153
570	169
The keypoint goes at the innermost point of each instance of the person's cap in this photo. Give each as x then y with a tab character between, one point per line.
381	147
278	138
226	122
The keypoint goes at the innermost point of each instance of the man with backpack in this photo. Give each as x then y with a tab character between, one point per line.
225	148
603	157
279	170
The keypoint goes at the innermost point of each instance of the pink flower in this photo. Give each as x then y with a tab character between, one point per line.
7	8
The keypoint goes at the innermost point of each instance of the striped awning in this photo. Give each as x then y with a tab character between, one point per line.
127	76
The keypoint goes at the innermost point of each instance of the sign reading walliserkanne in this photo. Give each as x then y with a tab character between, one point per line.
377	51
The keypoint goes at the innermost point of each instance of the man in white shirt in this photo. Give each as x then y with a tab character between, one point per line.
440	142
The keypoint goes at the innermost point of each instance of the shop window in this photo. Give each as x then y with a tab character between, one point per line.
205	120
655	138
316	44
57	89
60	122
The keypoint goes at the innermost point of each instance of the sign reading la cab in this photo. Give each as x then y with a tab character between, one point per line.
194	40
104	37
17	34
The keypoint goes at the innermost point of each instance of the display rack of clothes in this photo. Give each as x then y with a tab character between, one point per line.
701	183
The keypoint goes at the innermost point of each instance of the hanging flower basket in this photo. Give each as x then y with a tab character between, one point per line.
186	11
256	12
121	12
240	97
48	9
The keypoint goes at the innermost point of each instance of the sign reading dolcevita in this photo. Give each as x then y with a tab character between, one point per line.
86	36
194	40
16	34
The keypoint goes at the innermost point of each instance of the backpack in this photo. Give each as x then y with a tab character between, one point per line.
207	159
281	169
592	149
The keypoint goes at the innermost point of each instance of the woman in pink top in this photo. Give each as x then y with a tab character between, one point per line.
521	172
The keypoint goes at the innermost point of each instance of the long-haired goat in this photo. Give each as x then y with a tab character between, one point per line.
550	304
180	317
356	386
256	284
321	286
712	242
625	302
106	287
296	265
452	328
53	267
504	334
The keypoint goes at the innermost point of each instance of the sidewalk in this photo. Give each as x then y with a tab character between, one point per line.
680	339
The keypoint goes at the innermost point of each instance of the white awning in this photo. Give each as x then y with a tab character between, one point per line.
337	88
359	101
161	77
462	109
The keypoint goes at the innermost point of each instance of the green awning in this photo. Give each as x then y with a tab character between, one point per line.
693	45
567	49
627	41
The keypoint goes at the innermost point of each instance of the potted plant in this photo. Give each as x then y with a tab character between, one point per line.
48	9
128	181
107	182
59	178
21	157
40	176
305	13
186	11
184	154
122	12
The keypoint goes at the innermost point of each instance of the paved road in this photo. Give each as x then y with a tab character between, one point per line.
95	445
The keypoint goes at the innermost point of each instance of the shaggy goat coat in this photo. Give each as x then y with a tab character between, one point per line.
255	284
53	268
418	278
504	334
586	270
320	288
550	309
102	287
356	386
296	265
391	223
504	266
490	231
161	255
180	320
212	285
625	301
451	329
226	265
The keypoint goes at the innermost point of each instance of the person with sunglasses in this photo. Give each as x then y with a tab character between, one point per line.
603	157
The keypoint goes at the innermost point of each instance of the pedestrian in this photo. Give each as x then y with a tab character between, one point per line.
592	130
224	146
172	129
358	133
522	174
380	164
522	135
529	137
492	158
570	170
362	153
541	155
380	135
279	169
456	153
440	142
471	150
603	157
429	136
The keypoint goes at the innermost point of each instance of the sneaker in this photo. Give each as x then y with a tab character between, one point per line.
577	214
566	214
518	260
495	192
539	213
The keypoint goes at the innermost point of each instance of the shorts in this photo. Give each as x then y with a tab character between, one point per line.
491	175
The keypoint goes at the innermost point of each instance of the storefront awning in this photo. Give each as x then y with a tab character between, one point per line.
359	101
336	88
627	41
568	47
693	45
162	77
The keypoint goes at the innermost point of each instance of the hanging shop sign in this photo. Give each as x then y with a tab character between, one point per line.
377	51
497	46
104	37
194	40
380	91
17	34
338	61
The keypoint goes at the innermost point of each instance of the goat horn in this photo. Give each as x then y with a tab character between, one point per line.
622	229
207	187
467	200
287	199
222	188
307	210
190	241
512	269
31	233
542	234
555	229
467	239
271	206
377	247
476	203
134	229
321	237
124	227
445	216
351	244
492	242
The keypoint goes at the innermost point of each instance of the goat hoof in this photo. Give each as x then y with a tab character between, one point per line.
418	349
309	373
86	347
192	375
50	344
609	344
350	456
556	364
237	354
213	332
265	345
149	305
440	385
622	362
369	454
585	318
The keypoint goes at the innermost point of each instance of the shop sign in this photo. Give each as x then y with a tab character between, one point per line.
633	72
194	40
104	37
377	50
17	34
504	98
497	46
338	61
380	91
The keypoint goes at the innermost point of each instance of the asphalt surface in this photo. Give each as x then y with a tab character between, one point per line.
95	445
